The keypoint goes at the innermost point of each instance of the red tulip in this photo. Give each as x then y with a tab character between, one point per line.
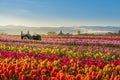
44	77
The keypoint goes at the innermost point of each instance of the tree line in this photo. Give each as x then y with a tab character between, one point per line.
61	33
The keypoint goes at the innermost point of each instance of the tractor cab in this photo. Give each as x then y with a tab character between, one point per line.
29	36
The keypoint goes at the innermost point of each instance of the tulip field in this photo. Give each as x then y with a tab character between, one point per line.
60	58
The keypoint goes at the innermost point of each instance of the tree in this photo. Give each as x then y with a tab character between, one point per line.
51	33
119	32
68	34
109	33
78	32
61	33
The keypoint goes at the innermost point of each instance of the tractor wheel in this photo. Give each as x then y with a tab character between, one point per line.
25	38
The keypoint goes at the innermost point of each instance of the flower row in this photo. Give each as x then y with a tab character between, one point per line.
75	52
53	67
68	41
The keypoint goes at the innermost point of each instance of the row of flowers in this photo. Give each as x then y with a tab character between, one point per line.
86	37
71	41
66	37
74	52
22	66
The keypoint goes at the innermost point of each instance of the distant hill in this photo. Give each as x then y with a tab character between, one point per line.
12	29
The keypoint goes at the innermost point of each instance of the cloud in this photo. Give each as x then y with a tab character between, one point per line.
12	20
88	30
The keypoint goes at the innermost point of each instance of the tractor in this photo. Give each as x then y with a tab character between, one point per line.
29	36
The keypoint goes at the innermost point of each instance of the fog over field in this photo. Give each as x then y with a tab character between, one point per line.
12	29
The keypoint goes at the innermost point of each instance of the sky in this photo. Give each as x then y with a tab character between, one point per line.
55	13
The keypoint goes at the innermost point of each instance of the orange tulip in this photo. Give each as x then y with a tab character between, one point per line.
78	77
53	73
43	71
11	73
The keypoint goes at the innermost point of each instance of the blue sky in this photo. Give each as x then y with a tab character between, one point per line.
60	12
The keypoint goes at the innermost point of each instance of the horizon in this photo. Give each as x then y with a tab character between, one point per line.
13	30
55	26
58	13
